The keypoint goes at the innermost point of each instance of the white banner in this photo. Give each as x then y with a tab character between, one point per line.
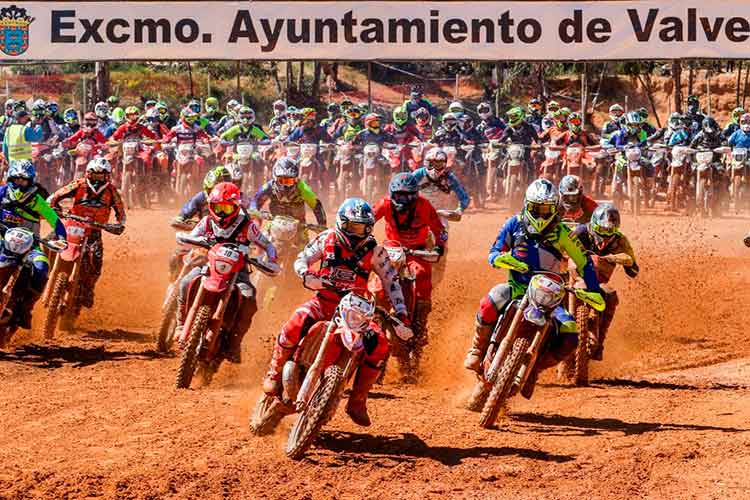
375	30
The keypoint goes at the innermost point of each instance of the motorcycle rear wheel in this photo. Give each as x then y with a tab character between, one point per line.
581	370
53	305
168	323
309	422
501	388
189	360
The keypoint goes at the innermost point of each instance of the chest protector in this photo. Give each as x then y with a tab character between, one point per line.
348	269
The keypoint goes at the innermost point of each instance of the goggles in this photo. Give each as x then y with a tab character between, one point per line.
536	107
403	198
20	181
98	176
191	119
541	210
132	117
286	181
223	209
375	124
575	121
356	228
88	124
354	113
604	230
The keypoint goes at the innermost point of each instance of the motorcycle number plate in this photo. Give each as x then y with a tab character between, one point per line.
75	231
228	254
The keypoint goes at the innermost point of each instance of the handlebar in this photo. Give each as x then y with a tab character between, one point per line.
110	228
451	215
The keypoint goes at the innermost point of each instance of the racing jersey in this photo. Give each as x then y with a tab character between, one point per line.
291	202
437	190
95	205
411	228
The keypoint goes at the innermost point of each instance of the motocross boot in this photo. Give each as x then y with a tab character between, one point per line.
605	320
272	380
25	307
356	408
479	344
419	324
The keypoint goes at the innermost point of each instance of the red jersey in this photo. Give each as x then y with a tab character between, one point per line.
82	135
137	131
95	205
413	227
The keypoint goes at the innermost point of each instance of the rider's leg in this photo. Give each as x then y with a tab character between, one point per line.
611	300
246	309
39	274
376	347
490	308
93	270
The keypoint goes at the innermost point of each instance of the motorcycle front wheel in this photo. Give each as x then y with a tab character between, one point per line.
503	384
189	359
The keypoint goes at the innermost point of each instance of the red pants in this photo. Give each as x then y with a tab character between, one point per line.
423	272
376	349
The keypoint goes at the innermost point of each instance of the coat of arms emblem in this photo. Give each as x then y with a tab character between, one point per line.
14	30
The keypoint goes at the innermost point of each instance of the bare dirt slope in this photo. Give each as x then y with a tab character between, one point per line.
668	415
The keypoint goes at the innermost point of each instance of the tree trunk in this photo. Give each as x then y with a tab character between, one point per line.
542	81
301	81
316	82
677	82
739	81
498	85
102	80
276	80
691	74
289	80
238	70
647	85
190	78
584	92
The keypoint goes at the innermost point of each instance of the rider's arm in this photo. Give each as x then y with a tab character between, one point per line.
74	139
120	132
504	241
261	196
312	253
312	201
379	209
118	206
626	256
381	264
255	235
258	133
733	138
147	132
33	133
574	249
230	133
458	188
436	226
63	193
193	206
41	207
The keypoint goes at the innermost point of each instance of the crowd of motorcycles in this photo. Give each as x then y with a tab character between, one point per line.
158	159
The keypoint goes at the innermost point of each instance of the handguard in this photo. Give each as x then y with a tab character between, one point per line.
593	299
507	261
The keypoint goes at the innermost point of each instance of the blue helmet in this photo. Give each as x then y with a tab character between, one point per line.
354	221
21	169
403	191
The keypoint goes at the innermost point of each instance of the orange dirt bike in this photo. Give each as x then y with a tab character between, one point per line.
214	303
579	162
190	260
188	167
408	353
739	179
323	364
15	273
520	338
553	159
345	164
62	295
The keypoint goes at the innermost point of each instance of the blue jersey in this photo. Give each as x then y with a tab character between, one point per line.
447	183
739	139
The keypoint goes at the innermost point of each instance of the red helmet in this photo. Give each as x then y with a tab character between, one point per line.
224	203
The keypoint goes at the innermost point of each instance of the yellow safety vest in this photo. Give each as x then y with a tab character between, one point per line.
18	147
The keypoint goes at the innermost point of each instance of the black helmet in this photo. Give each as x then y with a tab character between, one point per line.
605	221
403	191
709	126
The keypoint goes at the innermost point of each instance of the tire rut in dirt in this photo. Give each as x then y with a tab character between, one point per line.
503	383
190	354
53	305
309	422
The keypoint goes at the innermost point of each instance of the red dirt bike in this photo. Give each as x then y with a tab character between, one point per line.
408	354
187	168
516	172
520	339
192	259
552	163
157	169
83	153
708	182
314	379
401	158
15	274
62	295
134	174
374	170
577	162
214	302
47	161
347	175
492	154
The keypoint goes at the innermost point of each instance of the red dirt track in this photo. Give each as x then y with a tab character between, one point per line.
94	414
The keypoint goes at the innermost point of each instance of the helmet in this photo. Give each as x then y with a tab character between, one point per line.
279	107
212	105
355	312
353	112
214	177
435	160
616	111
346	104
449	121
333	108
21	175
309	115
188	116
98	172
560	119
224	203
456	108
467	122
101	109
354	221
38	108
737	113
372	122
285	173
540	206
294	113
403	190
195	105
575	122
535	105
232	103
422	116
709	126
515	116
400	116
237	175
162	108
633	121
605	222
132	113
643	112
53	107
118	115
71	116
693	104
10	104
89	120
675	121
246	116
570	192
566	112
484	110
113	101
552	106
745	123
416	92
152	115
149	104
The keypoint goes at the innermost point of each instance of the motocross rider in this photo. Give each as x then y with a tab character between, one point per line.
188	131
601	236
734	123
520	131
409	219
131	129
7	118
405	132
534	114
416	101
228	222
435	174
614	124
165	117
287	194
87	131
203	123
154	123
279	117
53	113
50	130
21	205
548	120
113	103
94	196
448	133
538	239
213	114
693	115
423	123
347	255
245	130
741	137
491	127
559	127
308	131
373	132
105	124
677	133
576	206
575	133
352	126
72	124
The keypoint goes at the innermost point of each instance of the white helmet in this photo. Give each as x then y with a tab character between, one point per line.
355	312
540	206
279	107
456	107
98	172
